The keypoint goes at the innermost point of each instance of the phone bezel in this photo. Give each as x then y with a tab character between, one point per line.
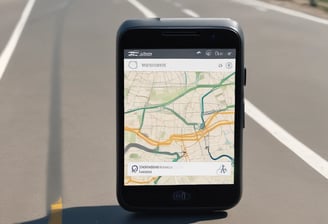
208	197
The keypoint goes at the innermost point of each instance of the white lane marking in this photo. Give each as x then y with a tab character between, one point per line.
189	12
264	5
305	153
13	40
147	13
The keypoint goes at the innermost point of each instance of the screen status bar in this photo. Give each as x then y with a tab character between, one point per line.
180	53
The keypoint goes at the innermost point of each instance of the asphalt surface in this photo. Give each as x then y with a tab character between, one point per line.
57	113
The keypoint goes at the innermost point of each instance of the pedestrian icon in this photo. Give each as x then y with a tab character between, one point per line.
223	169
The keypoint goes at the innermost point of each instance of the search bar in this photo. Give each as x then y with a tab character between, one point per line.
186	65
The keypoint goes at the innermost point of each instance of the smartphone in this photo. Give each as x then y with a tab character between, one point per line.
180	114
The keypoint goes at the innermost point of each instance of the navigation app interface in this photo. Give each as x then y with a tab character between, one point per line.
179	111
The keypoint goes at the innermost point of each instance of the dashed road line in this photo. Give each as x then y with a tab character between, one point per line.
56	212
191	13
147	13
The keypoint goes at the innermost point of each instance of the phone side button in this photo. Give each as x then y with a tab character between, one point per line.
243	114
245	76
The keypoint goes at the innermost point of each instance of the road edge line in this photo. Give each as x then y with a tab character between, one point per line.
305	153
13	40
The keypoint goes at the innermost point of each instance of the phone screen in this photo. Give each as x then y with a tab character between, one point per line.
179	116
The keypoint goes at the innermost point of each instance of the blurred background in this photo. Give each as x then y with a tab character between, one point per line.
57	109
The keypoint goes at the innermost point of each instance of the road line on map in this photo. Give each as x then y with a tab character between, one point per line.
305	153
13	40
264	5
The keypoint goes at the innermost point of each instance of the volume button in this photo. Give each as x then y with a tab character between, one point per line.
245	76
243	114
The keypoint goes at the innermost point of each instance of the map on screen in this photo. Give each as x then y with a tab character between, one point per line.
178	125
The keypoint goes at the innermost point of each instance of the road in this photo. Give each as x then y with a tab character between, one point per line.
57	117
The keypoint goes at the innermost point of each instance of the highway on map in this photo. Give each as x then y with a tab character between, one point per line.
57	111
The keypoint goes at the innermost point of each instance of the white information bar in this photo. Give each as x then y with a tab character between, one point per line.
187	65
179	169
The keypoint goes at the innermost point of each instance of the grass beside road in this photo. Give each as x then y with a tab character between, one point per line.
304	6
323	4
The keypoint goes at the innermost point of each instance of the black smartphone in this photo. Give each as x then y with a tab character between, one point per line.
180	114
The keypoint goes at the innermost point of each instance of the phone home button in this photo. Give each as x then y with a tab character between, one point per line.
181	196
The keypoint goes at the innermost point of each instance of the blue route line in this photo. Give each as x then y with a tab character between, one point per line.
219	157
